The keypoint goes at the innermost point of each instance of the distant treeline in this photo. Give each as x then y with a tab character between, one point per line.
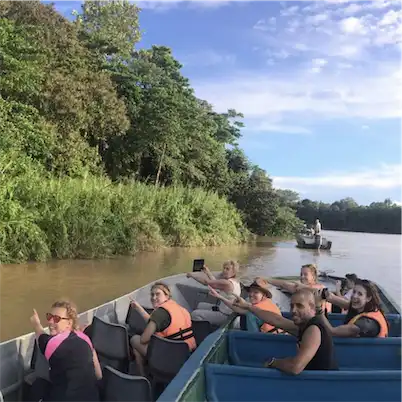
347	215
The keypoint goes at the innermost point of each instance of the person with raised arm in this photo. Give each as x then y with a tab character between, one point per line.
259	296
308	279
73	362
316	348
364	317
229	286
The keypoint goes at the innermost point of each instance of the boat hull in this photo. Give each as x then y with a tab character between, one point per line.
188	385
313	243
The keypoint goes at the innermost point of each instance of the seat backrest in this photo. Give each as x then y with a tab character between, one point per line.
253	349
201	330
111	344
135	321
232	383
165	357
118	386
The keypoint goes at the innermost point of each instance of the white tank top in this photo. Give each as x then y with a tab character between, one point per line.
223	308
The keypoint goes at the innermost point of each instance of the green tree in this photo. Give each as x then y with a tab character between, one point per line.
109	28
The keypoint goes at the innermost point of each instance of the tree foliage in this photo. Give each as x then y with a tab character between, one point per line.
77	98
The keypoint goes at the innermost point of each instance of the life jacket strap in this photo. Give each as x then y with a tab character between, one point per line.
180	335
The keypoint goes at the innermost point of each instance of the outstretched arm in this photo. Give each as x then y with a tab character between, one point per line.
226	301
343	331
269	317
289	286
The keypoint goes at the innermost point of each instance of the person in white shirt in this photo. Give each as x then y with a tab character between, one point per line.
228	285
317	227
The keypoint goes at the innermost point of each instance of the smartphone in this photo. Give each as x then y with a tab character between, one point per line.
324	294
198	265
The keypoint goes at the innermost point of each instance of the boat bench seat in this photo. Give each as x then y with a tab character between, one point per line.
232	384
253	349
394	321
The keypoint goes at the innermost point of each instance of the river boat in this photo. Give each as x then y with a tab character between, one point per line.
224	356
312	242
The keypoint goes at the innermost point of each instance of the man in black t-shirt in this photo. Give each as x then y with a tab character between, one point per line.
316	348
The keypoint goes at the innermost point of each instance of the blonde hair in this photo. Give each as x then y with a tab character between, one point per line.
71	309
313	269
234	265
163	287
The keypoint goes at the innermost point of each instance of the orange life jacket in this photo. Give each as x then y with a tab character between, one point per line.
269	305
375	315
180	328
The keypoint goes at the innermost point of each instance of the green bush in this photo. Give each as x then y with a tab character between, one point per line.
92	217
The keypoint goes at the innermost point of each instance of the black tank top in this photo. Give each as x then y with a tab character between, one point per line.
324	359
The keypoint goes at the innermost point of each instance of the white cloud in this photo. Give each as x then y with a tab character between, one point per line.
164	5
345	63
348	94
384	177
207	58
318	64
271	127
365	127
287	12
352	25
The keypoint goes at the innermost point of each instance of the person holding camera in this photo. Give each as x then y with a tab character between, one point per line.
364	317
229	286
316	348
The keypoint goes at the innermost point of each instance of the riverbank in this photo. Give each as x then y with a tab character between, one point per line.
94	218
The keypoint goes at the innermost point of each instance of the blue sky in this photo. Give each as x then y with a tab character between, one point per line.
318	83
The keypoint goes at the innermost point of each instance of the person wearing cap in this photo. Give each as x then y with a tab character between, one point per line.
168	320
259	296
315	344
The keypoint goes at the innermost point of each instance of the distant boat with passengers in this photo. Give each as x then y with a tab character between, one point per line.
311	238
227	364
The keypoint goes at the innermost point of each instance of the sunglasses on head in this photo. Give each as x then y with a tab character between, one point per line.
56	318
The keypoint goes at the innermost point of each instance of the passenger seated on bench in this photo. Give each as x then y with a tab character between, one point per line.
316	348
344	289
227	283
308	279
365	317
74	364
169	320
259	296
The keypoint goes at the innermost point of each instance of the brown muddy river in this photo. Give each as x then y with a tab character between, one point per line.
93	282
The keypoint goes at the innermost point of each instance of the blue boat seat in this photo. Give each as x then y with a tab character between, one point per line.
111	344
394	321
253	349
118	386
232	384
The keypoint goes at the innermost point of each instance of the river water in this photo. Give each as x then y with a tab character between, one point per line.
93	282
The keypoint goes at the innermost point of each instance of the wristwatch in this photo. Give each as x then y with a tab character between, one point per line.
271	362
